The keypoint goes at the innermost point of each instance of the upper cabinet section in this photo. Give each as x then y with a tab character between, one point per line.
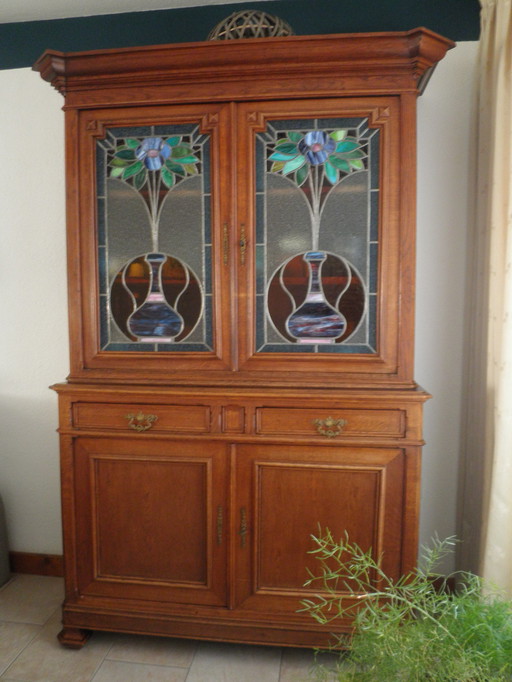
242	213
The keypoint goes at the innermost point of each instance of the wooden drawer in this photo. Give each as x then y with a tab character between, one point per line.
330	423
141	417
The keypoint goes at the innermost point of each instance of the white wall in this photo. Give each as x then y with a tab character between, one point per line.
33	337
33	341
445	113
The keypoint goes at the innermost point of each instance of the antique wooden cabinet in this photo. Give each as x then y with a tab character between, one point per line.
241	221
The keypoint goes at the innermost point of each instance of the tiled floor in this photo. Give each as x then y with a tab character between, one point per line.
29	651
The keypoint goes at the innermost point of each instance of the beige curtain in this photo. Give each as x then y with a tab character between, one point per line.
487	477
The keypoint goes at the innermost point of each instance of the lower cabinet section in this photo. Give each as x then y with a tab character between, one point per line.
210	535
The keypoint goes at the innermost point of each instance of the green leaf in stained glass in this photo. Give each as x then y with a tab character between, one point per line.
187	159
331	173
346	146
122	163
338	135
175	168
132	143
295	137
356	164
181	151
132	170
278	156
340	164
167	177
140	179
190	168
117	172
125	154
277	166
286	147
173	141
301	175
294	164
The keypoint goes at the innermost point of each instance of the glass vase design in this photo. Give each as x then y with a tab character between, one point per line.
315	321
155	320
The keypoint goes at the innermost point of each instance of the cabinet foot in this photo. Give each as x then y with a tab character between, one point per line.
73	638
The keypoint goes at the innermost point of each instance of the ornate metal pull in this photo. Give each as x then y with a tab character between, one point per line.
220	523
243	527
329	427
141	422
243	244
225	243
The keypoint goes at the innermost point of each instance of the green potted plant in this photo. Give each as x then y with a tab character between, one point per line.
413	629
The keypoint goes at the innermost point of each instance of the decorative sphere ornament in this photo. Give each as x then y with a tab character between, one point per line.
250	24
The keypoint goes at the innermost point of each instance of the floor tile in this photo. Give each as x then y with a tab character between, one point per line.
153	650
215	662
14	637
303	665
45	660
31	599
119	671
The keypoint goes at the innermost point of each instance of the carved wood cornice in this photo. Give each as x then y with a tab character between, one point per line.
348	64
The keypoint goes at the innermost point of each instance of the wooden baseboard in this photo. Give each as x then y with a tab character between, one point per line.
36	564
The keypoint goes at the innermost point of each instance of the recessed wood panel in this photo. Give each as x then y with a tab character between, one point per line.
306	498
147	527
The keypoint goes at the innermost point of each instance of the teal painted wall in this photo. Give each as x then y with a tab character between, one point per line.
22	43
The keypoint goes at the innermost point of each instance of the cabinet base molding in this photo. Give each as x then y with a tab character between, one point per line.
257	632
37	564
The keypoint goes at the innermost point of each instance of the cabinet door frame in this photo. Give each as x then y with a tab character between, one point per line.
391	363
88	361
82	501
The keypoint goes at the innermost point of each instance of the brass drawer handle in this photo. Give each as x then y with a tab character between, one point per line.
141	422
329	427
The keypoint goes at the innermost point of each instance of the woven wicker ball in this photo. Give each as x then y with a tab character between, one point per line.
250	24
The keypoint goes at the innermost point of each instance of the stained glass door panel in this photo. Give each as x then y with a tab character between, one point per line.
317	210
317	235
155	246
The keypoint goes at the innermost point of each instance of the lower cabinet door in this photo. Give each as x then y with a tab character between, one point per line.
285	494
150	517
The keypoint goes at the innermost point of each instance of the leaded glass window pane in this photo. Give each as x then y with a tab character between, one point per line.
317	199
154	239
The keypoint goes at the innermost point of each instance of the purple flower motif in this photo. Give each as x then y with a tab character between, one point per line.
316	147
153	152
